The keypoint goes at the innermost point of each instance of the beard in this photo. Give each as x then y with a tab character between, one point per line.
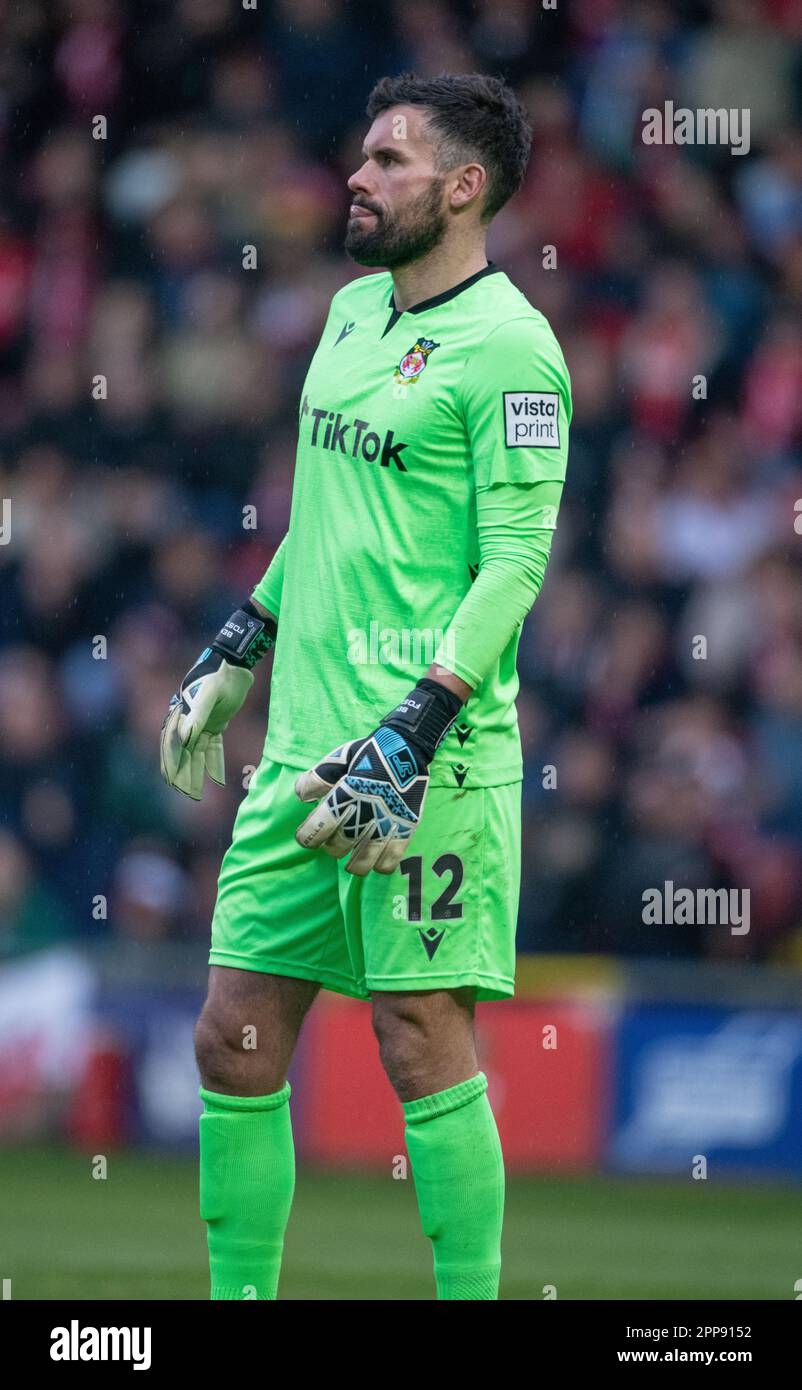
405	238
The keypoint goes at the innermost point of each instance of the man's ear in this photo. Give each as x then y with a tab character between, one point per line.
471	183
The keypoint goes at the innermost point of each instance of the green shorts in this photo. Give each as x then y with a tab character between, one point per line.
444	919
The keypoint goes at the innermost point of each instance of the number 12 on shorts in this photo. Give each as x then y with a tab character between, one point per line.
444	908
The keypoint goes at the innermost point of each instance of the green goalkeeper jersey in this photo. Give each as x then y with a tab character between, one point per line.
404	418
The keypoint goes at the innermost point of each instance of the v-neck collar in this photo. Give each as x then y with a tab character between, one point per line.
436	299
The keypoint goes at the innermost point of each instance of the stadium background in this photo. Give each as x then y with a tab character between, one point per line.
124	548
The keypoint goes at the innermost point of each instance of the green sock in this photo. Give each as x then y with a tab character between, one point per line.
247	1180
458	1168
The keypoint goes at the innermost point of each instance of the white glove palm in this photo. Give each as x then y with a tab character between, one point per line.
211	693
192	734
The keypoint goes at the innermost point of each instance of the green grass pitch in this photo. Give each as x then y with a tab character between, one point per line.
137	1235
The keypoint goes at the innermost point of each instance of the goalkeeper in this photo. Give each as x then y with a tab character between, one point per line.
377	851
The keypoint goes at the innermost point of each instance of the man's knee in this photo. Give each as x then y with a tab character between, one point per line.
247	1030
425	1040
237	1056
219	1052
404	1043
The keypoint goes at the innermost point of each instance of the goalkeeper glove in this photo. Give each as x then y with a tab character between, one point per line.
374	788
210	694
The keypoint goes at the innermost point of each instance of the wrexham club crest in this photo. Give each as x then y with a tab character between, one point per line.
414	361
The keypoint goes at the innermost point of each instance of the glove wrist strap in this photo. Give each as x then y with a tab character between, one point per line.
425	715
246	636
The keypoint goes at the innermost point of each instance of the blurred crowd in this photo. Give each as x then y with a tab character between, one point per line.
148	393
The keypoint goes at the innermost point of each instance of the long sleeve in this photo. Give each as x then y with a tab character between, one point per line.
515	524
515	398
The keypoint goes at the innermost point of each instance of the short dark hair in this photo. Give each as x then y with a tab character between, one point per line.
471	117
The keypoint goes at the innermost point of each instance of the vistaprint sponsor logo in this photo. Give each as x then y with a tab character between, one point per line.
669	906
76	1343
532	419
352	438
400	646
705	126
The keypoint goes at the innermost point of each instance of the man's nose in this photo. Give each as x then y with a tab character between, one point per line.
358	182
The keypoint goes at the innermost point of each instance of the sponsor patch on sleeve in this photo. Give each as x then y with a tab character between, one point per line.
532	419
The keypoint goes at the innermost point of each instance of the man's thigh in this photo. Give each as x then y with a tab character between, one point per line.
446	918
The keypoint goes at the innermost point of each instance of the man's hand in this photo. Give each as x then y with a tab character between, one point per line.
211	693
373	788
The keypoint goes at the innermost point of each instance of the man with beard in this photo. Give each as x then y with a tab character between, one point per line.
432	445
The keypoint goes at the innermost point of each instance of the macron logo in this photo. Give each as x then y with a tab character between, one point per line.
75	1343
531	419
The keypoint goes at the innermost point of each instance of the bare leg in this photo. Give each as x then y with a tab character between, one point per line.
248	1028
426	1039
